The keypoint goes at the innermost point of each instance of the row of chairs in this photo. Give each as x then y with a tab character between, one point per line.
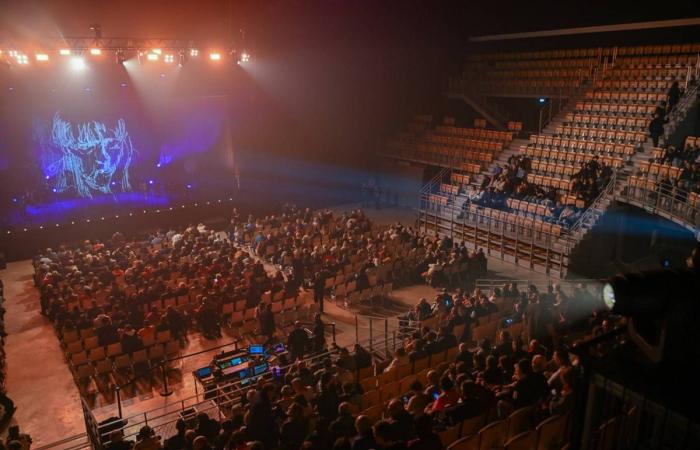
643	185
544	63
607	122
460	178
648	74
140	361
657	61
659	170
570	145
88	349
572	156
612	136
550	181
479	132
525	73
692	140
634	111
624	97
449	151
497	219
465	142
551	433
524	84
528	207
653	54
639	85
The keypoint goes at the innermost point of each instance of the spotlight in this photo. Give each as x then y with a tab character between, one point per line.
95	51
215	56
542	99
151	182
64	52
168	58
120	57
77	63
157	51
152	57
245	57
42	57
194	52
21	58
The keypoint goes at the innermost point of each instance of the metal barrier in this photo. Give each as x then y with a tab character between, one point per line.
675	204
525	242
222	402
488	284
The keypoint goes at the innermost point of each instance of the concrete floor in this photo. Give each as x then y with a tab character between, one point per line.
40	383
38	378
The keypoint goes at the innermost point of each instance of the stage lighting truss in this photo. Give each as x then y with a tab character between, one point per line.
166	50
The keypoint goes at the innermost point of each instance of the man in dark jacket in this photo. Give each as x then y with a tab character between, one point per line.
297	341
261	421
656	129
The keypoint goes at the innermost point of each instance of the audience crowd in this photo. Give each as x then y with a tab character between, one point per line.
512	182
321	406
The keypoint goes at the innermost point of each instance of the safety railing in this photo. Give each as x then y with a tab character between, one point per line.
681	206
595	206
222	400
525	241
435	181
679	112
489	284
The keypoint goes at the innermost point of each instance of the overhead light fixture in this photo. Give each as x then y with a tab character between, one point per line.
77	63
169	58
157	51
95	51
120	57
215	56
245	57
152	57
64	52
194	52
42	57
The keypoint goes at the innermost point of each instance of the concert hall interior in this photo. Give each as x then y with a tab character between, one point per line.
349	225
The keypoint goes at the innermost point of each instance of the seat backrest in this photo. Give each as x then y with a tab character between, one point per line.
493	435
519	421
522	441
466	443
550	432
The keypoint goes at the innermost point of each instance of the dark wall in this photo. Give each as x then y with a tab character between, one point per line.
627	238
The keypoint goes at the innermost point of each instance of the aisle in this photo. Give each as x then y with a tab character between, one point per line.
38	378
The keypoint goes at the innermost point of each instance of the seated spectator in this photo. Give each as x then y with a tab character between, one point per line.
426	439
146	439
386	437
468	406
344	425
400	358
448	395
364	439
295	428
401	420
563	402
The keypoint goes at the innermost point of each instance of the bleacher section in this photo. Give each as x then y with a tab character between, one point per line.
471	149
612	95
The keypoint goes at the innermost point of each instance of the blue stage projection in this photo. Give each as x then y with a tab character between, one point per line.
96	160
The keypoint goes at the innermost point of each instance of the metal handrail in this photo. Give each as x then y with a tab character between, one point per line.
171	412
668	201
610	187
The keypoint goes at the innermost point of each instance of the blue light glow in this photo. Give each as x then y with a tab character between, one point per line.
542	99
88	163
